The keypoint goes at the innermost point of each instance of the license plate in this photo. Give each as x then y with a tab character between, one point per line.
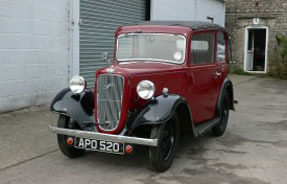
99	145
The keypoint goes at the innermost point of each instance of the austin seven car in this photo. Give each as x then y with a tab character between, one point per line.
165	78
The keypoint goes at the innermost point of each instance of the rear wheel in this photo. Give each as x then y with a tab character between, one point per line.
219	129
168	134
68	150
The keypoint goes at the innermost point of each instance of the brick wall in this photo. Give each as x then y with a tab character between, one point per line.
34	54
240	14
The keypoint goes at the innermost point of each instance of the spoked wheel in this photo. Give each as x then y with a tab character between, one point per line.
161	157
68	150
219	129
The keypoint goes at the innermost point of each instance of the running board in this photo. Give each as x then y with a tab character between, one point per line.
204	127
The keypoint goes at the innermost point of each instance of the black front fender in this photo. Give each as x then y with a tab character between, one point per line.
80	107
158	111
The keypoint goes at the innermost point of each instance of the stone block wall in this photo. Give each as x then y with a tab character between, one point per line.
240	14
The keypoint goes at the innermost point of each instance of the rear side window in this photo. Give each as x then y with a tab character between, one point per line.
221	47
202	48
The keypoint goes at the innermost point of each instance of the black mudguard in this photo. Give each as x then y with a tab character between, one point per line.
159	111
80	107
227	86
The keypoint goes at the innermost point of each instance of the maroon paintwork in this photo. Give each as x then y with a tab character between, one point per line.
196	83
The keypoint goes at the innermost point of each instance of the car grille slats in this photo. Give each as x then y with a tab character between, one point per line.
109	100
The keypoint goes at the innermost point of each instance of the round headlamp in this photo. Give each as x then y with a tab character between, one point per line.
78	84
145	89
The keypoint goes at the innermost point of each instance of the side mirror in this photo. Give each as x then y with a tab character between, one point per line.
105	57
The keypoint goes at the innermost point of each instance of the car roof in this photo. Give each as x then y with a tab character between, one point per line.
195	25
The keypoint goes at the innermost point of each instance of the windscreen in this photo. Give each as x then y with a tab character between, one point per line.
151	47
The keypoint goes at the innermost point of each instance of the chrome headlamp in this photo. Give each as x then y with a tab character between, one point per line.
145	89
78	84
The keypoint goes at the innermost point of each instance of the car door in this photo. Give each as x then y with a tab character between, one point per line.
202	71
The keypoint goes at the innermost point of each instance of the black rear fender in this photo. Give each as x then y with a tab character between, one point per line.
227	87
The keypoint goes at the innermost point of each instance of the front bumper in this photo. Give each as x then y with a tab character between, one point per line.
106	137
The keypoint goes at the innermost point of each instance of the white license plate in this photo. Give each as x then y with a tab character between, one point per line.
99	145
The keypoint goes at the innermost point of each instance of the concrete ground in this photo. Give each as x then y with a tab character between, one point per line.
253	150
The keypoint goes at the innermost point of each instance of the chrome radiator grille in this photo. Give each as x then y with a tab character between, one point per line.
109	100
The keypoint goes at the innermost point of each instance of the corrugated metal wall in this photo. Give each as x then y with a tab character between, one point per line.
99	20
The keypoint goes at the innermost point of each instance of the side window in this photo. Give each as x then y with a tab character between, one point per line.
202	48
221	47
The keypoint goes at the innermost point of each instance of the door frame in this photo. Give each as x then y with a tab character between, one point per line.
246	47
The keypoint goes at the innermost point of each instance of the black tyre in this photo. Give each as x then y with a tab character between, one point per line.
219	129
69	151
168	135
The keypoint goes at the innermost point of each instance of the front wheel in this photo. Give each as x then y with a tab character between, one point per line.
68	150
219	129
168	134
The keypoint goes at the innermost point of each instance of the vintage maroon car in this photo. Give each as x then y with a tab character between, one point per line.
166	77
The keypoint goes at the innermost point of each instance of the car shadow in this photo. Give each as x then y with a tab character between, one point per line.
189	147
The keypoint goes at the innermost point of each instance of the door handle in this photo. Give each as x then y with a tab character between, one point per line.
217	74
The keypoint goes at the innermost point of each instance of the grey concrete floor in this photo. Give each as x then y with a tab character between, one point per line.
253	150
